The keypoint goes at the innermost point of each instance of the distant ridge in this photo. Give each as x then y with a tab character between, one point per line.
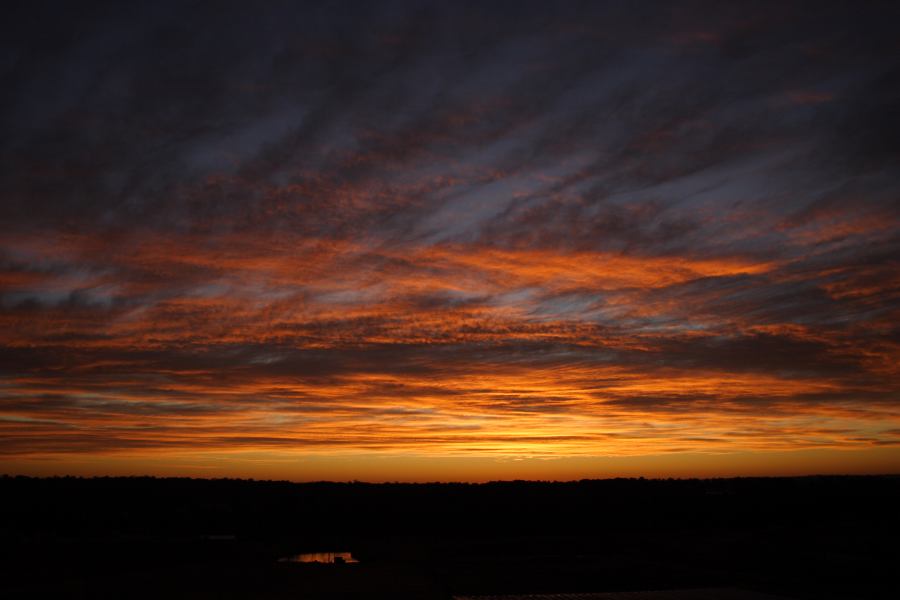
697	594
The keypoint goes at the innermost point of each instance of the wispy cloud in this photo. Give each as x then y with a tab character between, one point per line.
448	231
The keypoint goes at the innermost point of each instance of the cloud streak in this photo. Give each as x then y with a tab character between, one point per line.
449	231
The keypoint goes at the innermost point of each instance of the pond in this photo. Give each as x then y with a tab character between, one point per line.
338	558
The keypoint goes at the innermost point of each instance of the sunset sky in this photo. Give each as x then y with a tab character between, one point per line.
449	240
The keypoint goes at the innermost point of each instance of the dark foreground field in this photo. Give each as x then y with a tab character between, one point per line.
811	537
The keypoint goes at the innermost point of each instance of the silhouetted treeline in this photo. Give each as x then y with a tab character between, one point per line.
143	537
184	506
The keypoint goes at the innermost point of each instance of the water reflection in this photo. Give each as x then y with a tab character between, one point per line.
339	558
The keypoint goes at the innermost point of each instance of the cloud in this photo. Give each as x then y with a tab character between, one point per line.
448	230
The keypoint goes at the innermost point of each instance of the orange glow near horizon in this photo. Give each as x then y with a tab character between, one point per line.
324	350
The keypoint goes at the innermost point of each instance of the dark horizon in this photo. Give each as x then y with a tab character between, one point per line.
801	538
886	475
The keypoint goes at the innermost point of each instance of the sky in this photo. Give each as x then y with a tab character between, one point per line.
421	241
